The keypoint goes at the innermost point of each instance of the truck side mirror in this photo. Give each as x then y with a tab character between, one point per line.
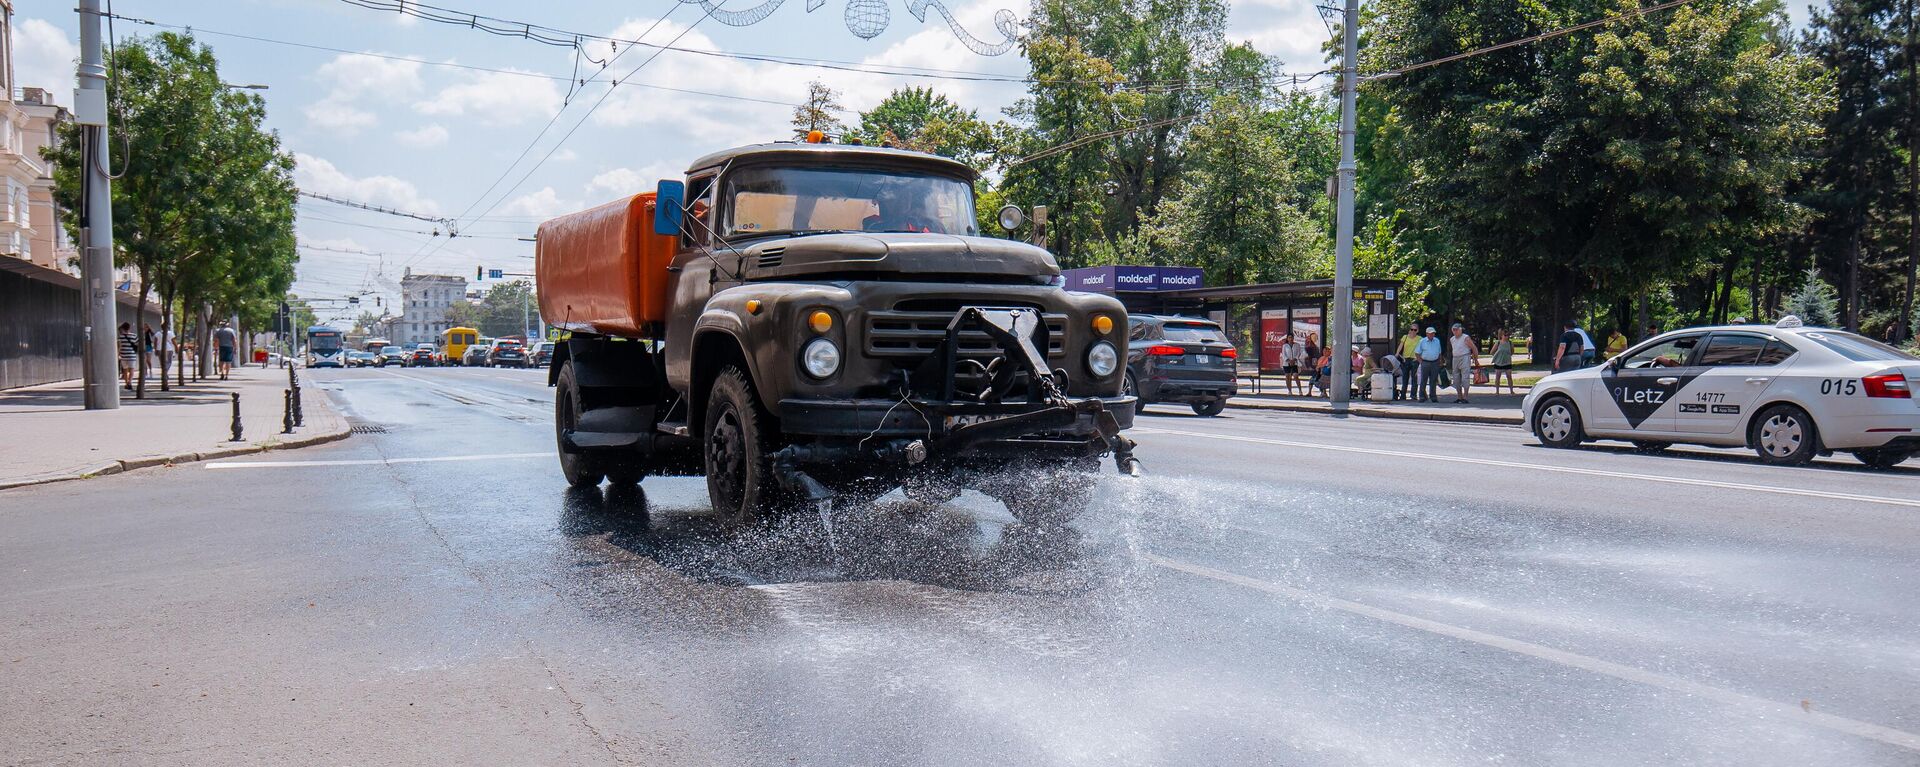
669	201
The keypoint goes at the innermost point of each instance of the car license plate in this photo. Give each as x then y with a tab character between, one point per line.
1201	359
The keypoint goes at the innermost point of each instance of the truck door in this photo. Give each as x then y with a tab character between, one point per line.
1734	370
694	276
1637	390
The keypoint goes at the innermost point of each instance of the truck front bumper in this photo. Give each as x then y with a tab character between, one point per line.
933	420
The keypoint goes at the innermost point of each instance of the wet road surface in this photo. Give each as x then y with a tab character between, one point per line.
1281	589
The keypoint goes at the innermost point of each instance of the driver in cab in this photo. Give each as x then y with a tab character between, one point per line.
899	212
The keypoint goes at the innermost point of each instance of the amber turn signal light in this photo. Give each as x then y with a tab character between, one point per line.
820	321
753	306
1102	324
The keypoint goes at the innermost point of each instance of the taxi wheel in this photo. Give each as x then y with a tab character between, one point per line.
580	469
1884	458
1784	435
1557	423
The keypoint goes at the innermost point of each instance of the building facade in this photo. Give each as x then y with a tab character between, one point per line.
48	244
424	299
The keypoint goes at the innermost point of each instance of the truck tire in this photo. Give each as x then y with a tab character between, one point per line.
580	469
738	450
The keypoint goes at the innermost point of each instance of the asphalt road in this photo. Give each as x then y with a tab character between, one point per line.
1280	589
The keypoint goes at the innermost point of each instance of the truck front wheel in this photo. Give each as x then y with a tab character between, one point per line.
580	469
739	452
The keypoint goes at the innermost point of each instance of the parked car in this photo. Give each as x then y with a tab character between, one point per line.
360	359
507	352
541	355
476	355
422	356
1180	359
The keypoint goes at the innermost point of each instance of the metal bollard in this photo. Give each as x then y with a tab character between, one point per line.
286	413
298	418
236	416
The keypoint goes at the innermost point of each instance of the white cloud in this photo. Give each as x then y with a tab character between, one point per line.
317	175
1296	44
544	203
424	136
44	57
566	154
495	98
356	81
610	184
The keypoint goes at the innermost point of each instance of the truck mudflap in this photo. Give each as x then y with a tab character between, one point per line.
1013	400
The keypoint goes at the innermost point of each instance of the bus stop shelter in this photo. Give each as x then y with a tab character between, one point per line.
1301	308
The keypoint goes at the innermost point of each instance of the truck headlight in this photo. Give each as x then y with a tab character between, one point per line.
820	358
1102	359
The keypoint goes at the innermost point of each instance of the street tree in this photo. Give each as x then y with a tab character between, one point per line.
1816	302
1596	166
821	112
919	119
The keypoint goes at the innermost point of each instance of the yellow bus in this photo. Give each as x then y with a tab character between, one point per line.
454	343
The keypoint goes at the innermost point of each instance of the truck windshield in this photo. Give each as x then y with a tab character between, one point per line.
775	200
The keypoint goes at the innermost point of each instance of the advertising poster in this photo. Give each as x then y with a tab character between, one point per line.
1306	325
1273	332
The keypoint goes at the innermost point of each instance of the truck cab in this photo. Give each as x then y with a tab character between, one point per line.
818	318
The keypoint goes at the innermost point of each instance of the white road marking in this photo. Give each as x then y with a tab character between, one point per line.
1869	730
371	461
1909	502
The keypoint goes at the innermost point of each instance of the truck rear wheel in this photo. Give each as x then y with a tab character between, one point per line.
580	469
739	452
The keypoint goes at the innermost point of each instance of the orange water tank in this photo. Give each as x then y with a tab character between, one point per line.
604	270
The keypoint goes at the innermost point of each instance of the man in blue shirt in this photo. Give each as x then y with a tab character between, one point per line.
1429	352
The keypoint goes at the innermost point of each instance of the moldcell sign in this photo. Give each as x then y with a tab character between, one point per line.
1128	279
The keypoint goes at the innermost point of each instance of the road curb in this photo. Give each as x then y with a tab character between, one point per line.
150	461
1371	412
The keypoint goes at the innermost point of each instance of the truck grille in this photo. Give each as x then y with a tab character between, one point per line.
915	334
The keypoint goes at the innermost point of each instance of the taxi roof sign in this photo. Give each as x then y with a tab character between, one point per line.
1789	321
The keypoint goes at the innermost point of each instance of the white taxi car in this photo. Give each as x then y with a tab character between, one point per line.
1787	391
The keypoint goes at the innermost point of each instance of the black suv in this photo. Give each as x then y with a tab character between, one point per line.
507	352
1180	359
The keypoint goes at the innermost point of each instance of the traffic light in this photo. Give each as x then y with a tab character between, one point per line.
478	273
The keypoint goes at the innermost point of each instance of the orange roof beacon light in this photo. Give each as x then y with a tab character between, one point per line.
816	136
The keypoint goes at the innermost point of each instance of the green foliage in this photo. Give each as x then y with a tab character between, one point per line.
508	309
1240	212
1595	165
1387	255
925	121
1815	303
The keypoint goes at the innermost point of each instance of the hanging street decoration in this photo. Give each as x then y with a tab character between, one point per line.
866	19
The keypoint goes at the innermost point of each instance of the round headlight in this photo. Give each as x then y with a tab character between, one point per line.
1102	359
1011	217
821	358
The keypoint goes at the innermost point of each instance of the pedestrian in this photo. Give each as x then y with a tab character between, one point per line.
1429	351
1588	350
1465	357
1293	356
149	348
1566	356
1616	343
129	353
1363	372
1322	370
226	340
1652	330
1409	374
1502	360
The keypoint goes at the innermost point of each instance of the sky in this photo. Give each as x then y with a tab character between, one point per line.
447	121
424	117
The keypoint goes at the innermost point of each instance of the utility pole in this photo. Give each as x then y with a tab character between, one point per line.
1343	217
101	388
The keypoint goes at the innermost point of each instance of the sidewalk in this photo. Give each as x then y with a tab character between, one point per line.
47	436
1503	409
